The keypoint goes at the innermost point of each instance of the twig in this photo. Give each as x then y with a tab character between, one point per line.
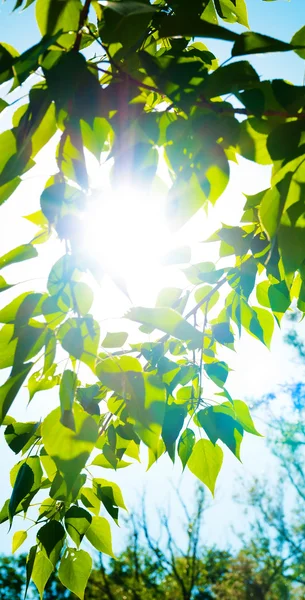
218	108
82	20
206	298
104	426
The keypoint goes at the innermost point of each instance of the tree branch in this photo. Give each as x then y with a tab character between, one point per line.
82	20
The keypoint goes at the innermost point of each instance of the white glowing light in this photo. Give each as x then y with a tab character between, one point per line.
126	232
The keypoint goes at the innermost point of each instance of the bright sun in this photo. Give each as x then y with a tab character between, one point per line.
127	232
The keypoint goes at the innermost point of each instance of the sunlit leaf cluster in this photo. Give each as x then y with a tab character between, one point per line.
132	80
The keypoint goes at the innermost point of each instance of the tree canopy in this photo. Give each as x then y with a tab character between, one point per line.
131	81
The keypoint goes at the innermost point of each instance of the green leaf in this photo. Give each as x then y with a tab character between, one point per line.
243	416
50	351
69	449
279	297
63	272
83	297
230	79
283	141
205	462
145	392
39	382
4	516
19	254
99	535
17	435
80	338
257	321
4	285
7	189
77	522
179	26
234	12
132	7
124	25
172	425
178	210
90	500
299	40
66	395
42	571
28	62
167	320
10	389
29	566
110	495
217	371
37	218
256	43
33	462
3	105
222	333
169	297
219	423
7	346
266	323
205	292
202	273
18	538
31	339
22	486
98	136
51	537
115	339
54	15
7	59
101	461
186	445
291	243
74	571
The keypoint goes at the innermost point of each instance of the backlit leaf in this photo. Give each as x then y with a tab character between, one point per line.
51	537
69	449
66	395
186	445
18	538
42	571
99	535
19	254
77	522
10	389
167	320
205	462
115	339
74	570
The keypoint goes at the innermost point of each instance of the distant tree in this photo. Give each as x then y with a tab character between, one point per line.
12	577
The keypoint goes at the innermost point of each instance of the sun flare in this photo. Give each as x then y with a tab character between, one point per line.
127	232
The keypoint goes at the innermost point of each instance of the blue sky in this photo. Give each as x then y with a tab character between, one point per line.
256	370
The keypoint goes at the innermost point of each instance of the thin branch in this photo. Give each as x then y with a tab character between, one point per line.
218	108
82	20
105	424
206	298
170	543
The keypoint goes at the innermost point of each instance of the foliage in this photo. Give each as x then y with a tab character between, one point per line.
126	79
150	569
